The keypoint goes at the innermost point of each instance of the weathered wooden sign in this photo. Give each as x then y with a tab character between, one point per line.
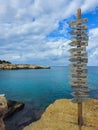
81	27
79	21
81	88
84	71
76	50
81	94
78	65
78	76
78	82
83	60
78	43
78	32
79	38
79	100
79	55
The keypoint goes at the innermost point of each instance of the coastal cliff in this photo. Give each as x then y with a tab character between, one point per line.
62	115
5	65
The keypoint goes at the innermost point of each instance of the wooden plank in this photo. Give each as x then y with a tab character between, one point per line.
79	55
79	21
79	49
78	76
76	39
81	94
83	60
78	82
81	88
79	100
81	27
78	44
85	71
78	65
78	32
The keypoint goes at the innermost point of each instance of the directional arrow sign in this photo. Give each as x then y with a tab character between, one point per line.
78	76
85	90
78	44
79	27
82	89
79	21
79	55
80	94
84	60
78	32
78	65
78	82
76	39
79	100
79	49
85	71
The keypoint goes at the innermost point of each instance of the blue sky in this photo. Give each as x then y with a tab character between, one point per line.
36	31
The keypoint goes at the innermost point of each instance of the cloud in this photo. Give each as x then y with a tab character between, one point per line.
26	29
89	5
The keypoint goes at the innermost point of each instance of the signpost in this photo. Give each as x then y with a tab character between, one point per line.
78	68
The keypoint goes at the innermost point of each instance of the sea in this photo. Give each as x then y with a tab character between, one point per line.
38	88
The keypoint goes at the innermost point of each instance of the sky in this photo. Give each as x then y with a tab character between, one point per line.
37	31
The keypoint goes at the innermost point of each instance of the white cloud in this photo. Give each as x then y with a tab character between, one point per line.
93	38
89	5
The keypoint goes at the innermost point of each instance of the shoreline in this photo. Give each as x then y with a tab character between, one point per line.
9	66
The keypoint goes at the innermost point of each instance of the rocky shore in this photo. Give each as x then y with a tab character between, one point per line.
7	109
62	115
7	66
3	110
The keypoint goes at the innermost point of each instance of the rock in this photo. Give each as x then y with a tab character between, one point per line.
3	110
62	115
6	66
13	107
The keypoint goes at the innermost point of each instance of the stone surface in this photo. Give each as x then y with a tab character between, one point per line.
3	110
13	107
6	66
62	115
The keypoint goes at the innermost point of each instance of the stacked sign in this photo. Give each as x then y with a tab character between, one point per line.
78	57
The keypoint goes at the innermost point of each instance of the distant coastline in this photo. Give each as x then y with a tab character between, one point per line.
6	65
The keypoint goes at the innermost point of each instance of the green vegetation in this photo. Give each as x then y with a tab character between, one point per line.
4	62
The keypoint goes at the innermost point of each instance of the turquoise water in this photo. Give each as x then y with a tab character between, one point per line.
42	86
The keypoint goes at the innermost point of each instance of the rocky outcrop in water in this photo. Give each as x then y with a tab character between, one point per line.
7	66
3	110
7	109
13	107
62	115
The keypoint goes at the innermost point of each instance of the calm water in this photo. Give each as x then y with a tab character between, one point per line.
42	86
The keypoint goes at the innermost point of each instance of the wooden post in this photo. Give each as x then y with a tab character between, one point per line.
80	119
